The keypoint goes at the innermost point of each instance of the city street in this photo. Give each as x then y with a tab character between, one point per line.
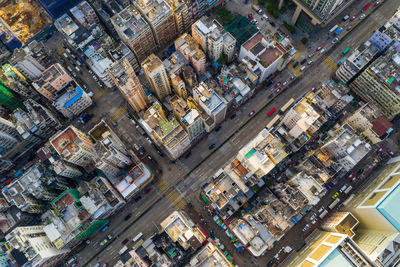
180	182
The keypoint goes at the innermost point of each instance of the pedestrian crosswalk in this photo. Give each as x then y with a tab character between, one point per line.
173	197
118	113
99	94
296	71
330	64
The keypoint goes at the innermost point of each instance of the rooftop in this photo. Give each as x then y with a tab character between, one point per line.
69	96
209	256
132	183
129	22
210	98
66	142
389	207
181	229
188	46
68	25
387	69
155	10
151	63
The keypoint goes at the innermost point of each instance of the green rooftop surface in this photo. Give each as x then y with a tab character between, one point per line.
241	29
167	127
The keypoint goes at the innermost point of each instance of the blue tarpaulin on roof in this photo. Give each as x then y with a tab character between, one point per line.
74	98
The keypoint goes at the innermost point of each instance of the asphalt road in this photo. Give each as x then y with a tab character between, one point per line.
175	187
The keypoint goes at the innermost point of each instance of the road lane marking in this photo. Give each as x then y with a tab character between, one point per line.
118	113
99	94
330	64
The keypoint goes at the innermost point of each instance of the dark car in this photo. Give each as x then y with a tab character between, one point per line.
271	96
188	155
126	240
137	199
296	64
233	116
218	128
303	61
272	24
127	217
211	147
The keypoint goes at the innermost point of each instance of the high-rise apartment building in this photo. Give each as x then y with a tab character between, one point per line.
124	77
377	84
8	135
69	221
28	64
156	76
213	38
29	191
73	146
33	238
358	59
111	153
53	80
161	20
135	32
16	82
72	100
331	249
189	118
181	15
211	102
318	11
34	125
166	133
192	52
85	14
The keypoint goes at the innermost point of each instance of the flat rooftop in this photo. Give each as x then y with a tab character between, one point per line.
64	143
130	22
137	178
389	208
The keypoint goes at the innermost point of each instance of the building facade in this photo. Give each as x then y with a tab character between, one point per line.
156	75
123	75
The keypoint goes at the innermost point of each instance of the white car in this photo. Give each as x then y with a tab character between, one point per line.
310	62
335	40
284	83
362	16
90	94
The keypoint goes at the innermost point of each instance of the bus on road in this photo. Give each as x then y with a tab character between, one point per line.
287	105
334	203
346	50
272	122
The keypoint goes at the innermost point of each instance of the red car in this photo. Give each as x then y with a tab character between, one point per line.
250	16
125	241
251	113
380	149
319	48
148	190
348	28
277	84
278	90
353	17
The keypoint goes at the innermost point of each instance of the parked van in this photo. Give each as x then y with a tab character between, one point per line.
265	17
322	50
303	68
